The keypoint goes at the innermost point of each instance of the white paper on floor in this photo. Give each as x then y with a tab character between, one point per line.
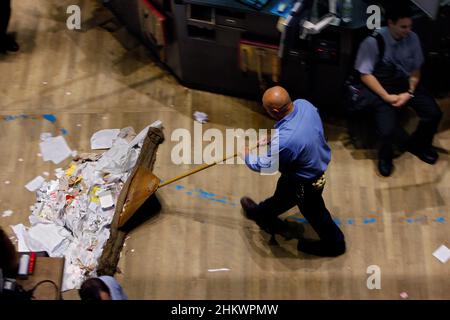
20	230
200	116
35	184
442	254
218	270
139	139
53	239
106	200
103	139
45	136
7	213
55	149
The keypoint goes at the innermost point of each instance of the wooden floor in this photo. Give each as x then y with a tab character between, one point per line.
94	79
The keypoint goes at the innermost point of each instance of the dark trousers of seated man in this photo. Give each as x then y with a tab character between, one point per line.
309	200
387	123
387	116
5	14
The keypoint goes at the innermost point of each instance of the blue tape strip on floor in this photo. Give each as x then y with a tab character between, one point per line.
205	195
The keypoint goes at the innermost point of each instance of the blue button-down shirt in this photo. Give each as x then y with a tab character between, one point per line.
405	53
115	289
298	148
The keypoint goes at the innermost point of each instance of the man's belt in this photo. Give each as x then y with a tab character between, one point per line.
319	183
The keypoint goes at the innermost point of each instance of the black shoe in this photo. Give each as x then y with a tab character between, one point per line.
428	155
9	44
321	248
272	226
248	205
385	167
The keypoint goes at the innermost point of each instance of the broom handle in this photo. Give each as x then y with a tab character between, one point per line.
203	167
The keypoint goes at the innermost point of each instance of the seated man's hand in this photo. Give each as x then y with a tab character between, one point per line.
391	98
403	98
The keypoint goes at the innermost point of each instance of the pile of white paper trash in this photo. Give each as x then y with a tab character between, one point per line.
72	215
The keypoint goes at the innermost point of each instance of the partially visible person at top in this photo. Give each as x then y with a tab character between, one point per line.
9	259
102	288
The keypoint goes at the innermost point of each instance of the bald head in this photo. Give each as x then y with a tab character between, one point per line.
277	102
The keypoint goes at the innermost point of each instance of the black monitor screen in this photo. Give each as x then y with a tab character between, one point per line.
430	7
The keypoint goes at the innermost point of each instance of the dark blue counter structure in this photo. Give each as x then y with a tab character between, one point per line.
232	48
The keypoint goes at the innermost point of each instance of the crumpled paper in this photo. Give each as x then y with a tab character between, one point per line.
68	219
200	117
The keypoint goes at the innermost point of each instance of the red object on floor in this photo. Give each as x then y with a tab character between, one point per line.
32	263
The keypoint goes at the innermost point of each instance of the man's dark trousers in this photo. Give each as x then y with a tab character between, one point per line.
5	14
387	122
308	198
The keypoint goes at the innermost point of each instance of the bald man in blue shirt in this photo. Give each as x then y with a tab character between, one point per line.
392	82
301	154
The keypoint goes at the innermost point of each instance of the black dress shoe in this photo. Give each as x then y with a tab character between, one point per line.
321	248
428	155
385	167
8	44
248	205
271	226
12	46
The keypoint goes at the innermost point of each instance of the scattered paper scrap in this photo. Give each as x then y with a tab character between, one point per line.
48	237
45	136
20	160
55	149
7	182
218	270
7	213
106	200
93	206
141	135
46	173
201	117
103	139
71	170
442	254
35	184
59	172
404	295
20	231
